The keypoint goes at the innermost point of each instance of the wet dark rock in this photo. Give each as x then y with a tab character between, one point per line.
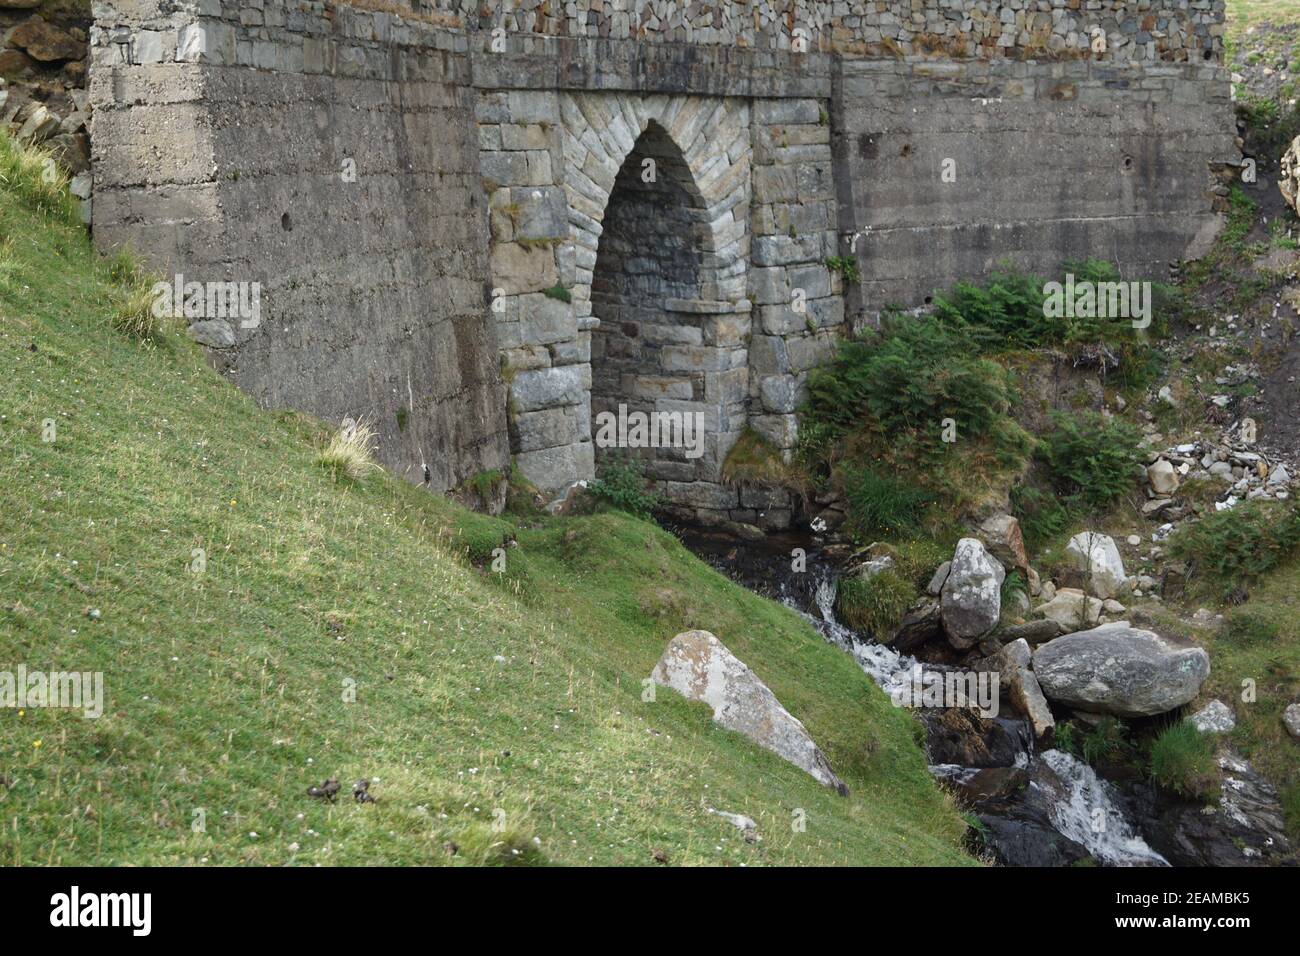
1245	827
963	737
921	625
1018	823
977	785
1024	839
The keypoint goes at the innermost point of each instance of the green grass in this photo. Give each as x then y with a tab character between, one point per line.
1255	669
225	689
875	605
1182	760
1243	14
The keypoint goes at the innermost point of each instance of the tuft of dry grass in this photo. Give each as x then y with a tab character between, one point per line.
134	315
134	310
350	451
32	174
755	460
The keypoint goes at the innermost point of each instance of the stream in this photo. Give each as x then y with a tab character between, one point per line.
1030	808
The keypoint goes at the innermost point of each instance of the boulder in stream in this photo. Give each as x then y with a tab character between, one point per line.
1121	670
971	599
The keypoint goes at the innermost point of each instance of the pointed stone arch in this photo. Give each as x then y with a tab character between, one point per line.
550	160
698	366
712	134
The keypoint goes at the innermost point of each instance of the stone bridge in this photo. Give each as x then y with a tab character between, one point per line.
483	225
663	223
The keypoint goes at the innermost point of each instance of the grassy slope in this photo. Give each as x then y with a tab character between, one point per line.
1272	666
224	688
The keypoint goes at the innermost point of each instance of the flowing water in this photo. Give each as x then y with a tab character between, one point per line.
1033	808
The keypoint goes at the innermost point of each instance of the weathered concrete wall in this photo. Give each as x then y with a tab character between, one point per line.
927	139
946	169
340	173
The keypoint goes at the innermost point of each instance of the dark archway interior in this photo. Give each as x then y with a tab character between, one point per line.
646	352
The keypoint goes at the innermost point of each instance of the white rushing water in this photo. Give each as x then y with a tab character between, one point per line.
891	670
1088	815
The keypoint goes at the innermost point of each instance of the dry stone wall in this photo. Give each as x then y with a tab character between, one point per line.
1131	30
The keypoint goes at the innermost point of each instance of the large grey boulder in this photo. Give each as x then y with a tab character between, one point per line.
1121	670
699	667
970	603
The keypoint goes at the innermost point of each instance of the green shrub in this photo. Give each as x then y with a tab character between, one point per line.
1107	741
846	266
910	376
1006	312
1042	516
1182	760
523	499
1090	459
916	558
1067	738
876	604
1231	548
1012	584
622	484
558	292
882	505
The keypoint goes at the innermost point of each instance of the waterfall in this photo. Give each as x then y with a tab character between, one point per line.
1088	815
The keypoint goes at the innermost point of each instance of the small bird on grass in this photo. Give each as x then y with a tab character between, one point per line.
361	792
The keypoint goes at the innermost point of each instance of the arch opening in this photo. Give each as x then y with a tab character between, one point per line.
655	348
